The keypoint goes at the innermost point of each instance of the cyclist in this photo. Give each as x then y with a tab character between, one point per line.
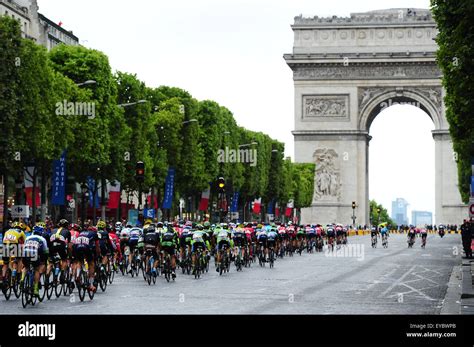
36	253
411	234
222	239
300	237
319	237
116	241
106	246
291	232
310	235
384	233
118	228
373	235
424	234
339	234
185	243
272	238
59	242
13	239
198	241
240	241
262	238
134	235
86	248
151	239
331	233
169	242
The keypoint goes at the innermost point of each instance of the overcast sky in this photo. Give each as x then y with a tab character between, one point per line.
231	51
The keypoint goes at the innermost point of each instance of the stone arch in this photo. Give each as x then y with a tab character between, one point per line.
370	109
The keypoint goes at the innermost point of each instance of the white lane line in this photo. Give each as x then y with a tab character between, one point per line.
426	255
398	281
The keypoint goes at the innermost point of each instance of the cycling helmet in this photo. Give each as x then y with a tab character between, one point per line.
101	224
224	226
199	227
207	225
38	230
75	227
63	223
16	225
159	225
41	224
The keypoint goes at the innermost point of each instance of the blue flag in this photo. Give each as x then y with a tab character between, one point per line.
59	180
472	186
270	207
235	203
91	185
169	186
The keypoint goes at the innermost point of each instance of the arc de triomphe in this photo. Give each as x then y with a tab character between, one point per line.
345	70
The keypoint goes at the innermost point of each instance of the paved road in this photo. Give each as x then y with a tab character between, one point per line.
396	280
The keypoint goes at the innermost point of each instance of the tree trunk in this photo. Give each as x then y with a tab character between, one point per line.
33	194
5	201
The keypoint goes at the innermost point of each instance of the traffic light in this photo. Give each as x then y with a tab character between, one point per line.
140	171
353	205
221	184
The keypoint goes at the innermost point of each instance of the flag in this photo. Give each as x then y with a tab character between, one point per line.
235	203
29	187
270	207
155	201
204	203
59	180
169	186
60	23
91	185
289	208
256	205
277	210
114	194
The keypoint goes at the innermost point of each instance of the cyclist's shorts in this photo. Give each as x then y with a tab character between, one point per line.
11	252
221	244
239	241
184	241
105	249
151	239
82	253
59	249
196	245
270	243
151	249
263	241
133	244
35	261
300	236
168	249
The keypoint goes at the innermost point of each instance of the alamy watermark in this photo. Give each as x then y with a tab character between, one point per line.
247	156
355	250
66	108
386	104
16	250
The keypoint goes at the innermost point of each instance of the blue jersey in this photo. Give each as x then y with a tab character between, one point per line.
86	239
35	246
272	235
135	234
384	230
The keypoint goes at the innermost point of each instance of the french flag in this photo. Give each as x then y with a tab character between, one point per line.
289	208
204	203
29	187
257	204
114	194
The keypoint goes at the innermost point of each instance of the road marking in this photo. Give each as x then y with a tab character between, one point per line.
426	255
397	282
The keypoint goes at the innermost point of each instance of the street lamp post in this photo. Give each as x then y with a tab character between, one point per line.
88	82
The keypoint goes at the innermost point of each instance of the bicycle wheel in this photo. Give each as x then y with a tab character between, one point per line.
167	269
42	287
16	284
91	293
111	274
58	288
6	285
49	285
81	284
65	282
103	279
26	293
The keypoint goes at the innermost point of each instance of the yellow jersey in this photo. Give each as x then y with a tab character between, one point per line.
14	236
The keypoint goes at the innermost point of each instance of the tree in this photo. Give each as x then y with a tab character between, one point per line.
456	34
382	217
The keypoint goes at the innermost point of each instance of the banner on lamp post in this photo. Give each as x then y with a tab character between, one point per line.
169	187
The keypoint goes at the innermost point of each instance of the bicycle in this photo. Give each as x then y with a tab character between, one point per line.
374	241
271	254
83	282
224	256
385	241
7	286
101	275
238	259
167	266
150	261
423	241
261	255
27	294
200	263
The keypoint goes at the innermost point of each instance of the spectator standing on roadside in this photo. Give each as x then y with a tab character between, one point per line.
466	230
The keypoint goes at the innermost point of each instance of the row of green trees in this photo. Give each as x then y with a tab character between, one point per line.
455	58
163	127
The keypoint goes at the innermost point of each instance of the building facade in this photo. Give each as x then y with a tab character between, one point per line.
421	218
399	211
36	26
